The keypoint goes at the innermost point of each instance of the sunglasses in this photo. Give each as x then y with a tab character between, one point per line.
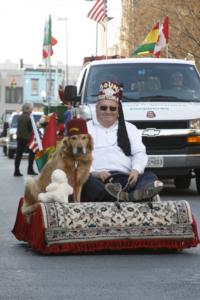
105	107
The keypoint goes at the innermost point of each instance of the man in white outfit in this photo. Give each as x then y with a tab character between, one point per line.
118	148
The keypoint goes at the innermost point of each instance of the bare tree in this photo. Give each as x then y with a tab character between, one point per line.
139	16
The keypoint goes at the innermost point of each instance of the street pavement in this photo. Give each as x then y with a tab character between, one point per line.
142	275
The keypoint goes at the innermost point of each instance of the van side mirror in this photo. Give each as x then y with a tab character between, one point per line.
70	94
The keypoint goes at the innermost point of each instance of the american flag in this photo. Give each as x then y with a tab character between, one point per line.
98	12
33	144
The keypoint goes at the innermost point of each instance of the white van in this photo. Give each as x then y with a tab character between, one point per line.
167	116
11	141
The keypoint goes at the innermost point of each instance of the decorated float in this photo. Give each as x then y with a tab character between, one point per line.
90	227
57	227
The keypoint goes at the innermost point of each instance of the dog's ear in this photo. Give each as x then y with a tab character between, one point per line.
90	143
65	147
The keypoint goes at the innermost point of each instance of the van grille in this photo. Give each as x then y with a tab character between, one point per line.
163	142
161	124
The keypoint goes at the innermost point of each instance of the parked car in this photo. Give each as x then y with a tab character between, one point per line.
11	139
4	129
167	115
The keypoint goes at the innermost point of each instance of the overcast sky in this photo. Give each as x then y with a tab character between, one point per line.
22	26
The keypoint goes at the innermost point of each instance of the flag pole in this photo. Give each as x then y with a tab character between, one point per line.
46	76
97	37
106	29
106	38
48	82
49	78
167	51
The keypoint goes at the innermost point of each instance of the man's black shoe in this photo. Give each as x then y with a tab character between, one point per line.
18	174
32	173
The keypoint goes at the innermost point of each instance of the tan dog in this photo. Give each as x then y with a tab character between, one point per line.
74	157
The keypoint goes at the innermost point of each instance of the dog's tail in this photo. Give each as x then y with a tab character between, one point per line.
31	191
30	196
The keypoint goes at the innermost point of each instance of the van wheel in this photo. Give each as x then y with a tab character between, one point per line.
198	181
11	153
182	182
5	150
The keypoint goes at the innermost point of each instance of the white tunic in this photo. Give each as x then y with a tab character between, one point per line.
108	156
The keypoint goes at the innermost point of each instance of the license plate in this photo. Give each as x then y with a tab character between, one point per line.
155	162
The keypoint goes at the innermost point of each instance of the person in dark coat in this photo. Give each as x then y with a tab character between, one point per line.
24	133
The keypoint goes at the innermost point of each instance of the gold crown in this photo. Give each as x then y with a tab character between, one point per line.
110	90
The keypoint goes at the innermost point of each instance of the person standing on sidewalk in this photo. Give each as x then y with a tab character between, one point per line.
24	132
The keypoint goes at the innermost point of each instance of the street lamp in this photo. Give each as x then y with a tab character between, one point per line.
66	70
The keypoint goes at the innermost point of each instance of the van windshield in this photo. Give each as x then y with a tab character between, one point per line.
147	81
15	117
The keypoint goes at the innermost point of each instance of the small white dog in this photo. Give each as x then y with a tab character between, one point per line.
58	190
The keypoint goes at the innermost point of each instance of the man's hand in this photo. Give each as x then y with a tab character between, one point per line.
133	177
101	175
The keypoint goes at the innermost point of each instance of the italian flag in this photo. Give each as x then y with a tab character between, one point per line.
48	41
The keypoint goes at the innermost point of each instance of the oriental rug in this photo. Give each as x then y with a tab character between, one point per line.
77	227
105	221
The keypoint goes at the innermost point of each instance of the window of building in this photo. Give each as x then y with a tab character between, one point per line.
14	95
34	87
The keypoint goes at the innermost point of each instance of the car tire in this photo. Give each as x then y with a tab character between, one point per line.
5	150
11	153
197	172
182	182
